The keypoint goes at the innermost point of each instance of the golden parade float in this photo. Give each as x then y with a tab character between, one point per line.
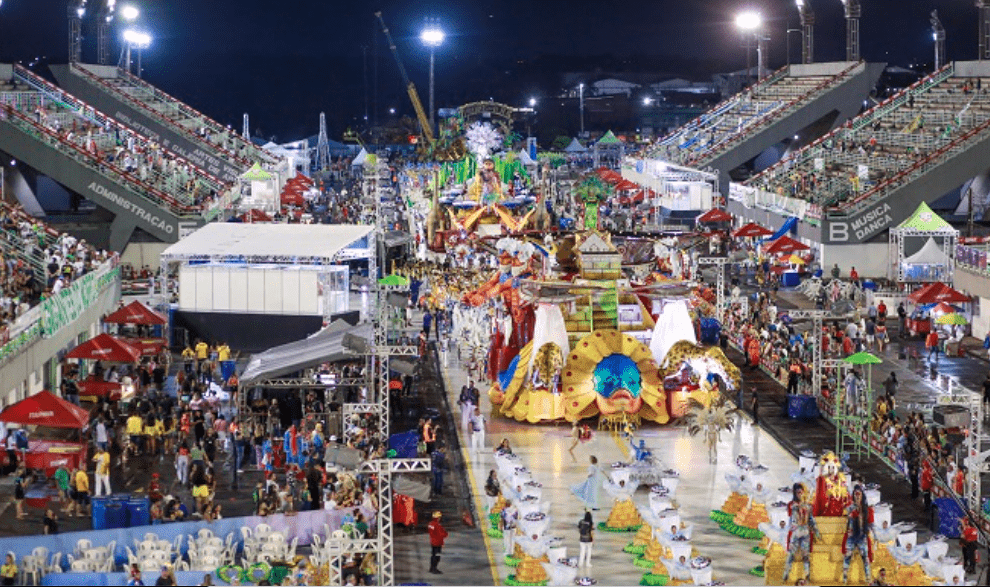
576	338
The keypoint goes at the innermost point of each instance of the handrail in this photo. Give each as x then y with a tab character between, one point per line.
832	82
145	107
867	117
924	164
86	111
192	112
143	188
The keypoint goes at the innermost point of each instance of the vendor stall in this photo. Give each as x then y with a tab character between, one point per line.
933	261
107	349
55	441
138	314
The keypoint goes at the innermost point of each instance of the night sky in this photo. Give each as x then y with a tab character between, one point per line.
284	62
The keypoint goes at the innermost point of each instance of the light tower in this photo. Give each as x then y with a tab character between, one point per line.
807	31
323	146
853	13
103	32
938	35
76	12
246	128
750	23
984	7
432	36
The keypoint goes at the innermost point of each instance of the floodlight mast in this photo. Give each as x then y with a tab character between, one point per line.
853	13
984	8
76	11
807	31
938	35
103	32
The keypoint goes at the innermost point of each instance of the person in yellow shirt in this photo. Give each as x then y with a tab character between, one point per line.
135	427
223	352
150	432
102	460
202	351
82	493
188	358
8	572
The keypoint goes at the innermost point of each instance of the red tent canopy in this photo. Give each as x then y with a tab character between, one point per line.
715	215
292	198
626	185
751	230
937	292
786	244
302	179
639	197
135	313
255	215
45	409
105	348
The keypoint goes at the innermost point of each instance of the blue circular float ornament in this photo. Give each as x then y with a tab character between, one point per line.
616	372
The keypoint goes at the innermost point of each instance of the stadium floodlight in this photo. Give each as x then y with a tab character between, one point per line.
138	39
647	101
749	20
130	13
532	102
432	36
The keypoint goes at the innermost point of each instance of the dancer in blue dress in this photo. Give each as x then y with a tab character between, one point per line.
589	491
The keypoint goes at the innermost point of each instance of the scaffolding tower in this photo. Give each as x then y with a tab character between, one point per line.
720	302
246	128
76	11
984	7
103	33
807	31
853	12
938	35
323	146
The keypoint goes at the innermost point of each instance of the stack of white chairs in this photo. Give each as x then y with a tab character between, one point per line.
207	552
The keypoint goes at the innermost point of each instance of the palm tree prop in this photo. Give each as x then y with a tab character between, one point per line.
711	421
592	191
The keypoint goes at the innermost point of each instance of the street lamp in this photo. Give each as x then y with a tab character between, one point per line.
750	22
432	36
135	39
581	101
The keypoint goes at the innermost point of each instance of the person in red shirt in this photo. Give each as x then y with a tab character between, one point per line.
931	342
927	481
968	543
854	275
437	536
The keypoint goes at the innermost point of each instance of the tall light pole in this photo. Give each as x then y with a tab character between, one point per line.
749	23
938	35
984	7
432	36
76	12
788	37
853	13
808	26
581	102
103	32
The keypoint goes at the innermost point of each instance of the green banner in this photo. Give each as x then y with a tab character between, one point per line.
60	310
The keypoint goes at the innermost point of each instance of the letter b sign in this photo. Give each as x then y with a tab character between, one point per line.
838	232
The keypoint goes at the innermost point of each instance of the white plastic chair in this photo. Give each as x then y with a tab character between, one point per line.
291	553
262	530
177	543
150	537
40	553
31	566
80	566
55	566
276	537
149	566
204	533
246	532
82	545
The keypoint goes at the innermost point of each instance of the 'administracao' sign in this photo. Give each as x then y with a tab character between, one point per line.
148	216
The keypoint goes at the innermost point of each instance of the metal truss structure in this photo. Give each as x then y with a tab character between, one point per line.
946	239
850	424
720	303
976	457
306	383
383	545
323	146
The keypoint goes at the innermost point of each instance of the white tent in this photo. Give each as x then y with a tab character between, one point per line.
324	346
525	159
930	254
575	147
361	157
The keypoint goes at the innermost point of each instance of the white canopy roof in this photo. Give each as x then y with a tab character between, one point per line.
930	254
301	243
525	159
361	157
575	147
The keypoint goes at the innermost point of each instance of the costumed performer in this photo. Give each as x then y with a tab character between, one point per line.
580	433
589	491
802	529
859	521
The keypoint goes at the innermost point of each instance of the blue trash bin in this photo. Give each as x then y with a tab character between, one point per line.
116	512
227	369
138	512
99	512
